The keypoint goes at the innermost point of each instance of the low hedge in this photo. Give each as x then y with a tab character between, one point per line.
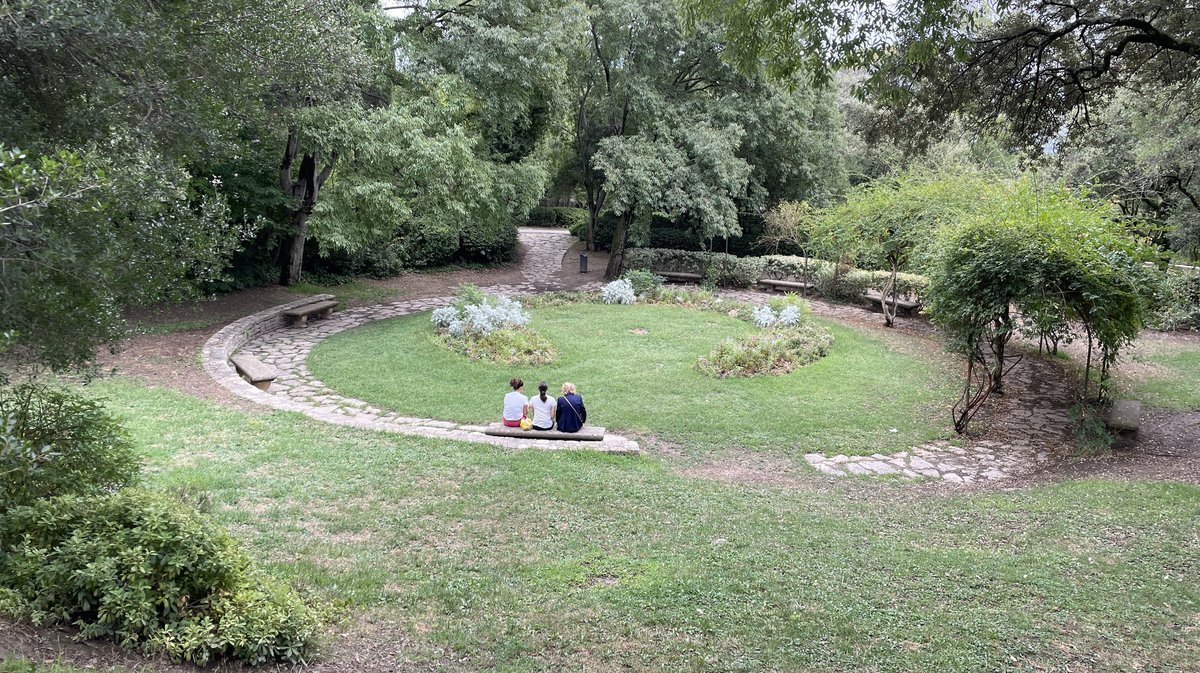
152	573
558	216
718	268
849	285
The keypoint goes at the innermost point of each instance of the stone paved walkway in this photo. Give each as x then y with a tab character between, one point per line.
1034	412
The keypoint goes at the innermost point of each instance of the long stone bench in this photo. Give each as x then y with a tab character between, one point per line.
907	306
680	276
319	309
254	370
585	434
785	285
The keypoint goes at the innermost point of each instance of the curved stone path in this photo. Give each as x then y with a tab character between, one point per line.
297	389
1034	412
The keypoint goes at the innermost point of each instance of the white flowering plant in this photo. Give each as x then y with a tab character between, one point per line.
618	292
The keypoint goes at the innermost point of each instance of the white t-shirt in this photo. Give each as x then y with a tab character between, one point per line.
514	406
543	412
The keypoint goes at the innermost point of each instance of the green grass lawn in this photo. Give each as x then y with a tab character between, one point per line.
865	396
483	559
1172	382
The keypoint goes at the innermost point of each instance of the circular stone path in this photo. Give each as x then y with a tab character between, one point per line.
1041	430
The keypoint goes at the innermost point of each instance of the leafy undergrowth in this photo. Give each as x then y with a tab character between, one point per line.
575	561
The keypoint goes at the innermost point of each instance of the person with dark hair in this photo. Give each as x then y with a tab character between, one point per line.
571	412
515	404
541	408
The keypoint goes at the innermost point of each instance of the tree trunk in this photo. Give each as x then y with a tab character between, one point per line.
303	192
999	342
295	260
616	257
889	317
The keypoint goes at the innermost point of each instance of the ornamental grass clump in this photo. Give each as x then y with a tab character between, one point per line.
494	328
789	340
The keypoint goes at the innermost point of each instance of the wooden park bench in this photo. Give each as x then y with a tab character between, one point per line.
254	370
585	434
318	309
907	306
785	285
680	276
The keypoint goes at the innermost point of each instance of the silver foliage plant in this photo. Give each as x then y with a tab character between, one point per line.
763	316
490	314
619	292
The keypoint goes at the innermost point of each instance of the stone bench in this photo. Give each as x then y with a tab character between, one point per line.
680	276
785	285
1124	416
319	309
254	370
585	434
907	306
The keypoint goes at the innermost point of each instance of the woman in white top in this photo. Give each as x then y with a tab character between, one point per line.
515	404
541	406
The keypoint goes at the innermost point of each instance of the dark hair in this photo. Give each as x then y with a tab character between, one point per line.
542	390
516	383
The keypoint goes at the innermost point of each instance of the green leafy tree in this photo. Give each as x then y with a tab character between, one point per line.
689	171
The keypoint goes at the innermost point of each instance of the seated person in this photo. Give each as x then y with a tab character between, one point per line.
515	404
571	413
541	408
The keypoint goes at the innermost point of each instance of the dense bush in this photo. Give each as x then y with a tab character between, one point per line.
560	216
488	242
800	269
725	270
147	570
1176	302
643	282
776	351
59	442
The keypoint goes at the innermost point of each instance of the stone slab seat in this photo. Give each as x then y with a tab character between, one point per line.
1125	415
585	434
906	305
254	370
680	276
320	309
783	285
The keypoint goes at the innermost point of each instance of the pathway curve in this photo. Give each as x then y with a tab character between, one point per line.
296	389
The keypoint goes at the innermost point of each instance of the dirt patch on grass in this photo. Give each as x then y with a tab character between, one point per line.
746	468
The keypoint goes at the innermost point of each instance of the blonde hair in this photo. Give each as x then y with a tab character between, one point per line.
568	388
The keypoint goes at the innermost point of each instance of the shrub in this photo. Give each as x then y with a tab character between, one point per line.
777	351
1176	301
149	571
643	282
503	346
494	241
59	442
763	316
725	270
618	292
799	269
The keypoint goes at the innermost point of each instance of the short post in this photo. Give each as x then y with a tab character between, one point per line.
583	262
